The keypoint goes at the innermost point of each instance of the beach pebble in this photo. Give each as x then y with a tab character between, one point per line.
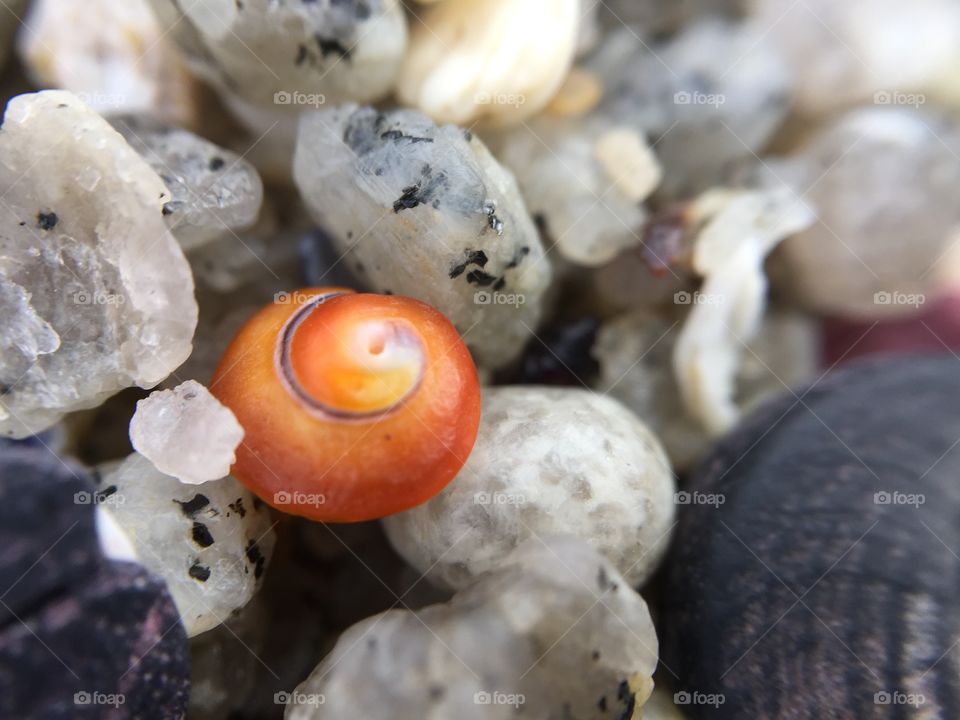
81	635
96	293
113	56
187	433
211	543
850	52
215	193
293	55
555	631
709	97
874	176
425	211
547	460
837	525
584	179
477	60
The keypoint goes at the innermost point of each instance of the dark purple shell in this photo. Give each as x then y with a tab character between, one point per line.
81	636
827	583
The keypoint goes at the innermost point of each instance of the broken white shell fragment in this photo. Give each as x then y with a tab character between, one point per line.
499	61
727	310
187	433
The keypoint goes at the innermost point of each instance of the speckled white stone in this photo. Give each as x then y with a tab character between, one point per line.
95	292
547	460
291	55
187	433
554	632
709	98
185	533
426	211
215	192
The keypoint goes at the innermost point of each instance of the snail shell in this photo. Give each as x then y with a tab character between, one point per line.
354	406
815	571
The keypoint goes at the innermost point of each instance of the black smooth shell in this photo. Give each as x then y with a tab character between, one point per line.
81	636
805	594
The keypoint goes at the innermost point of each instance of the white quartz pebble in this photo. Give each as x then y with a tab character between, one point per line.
547	460
882	181
554	632
114	56
187	433
95	292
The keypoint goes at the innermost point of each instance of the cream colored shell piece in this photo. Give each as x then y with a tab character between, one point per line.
496	61
727	310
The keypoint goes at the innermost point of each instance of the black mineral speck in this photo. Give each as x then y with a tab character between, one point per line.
255	557
470	257
199	572
201	535
481	278
238	507
191	507
47	221
217	163
628	699
408	200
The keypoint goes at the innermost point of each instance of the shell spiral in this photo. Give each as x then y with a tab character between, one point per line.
355	406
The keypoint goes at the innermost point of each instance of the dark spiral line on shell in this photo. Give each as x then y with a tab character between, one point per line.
288	376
